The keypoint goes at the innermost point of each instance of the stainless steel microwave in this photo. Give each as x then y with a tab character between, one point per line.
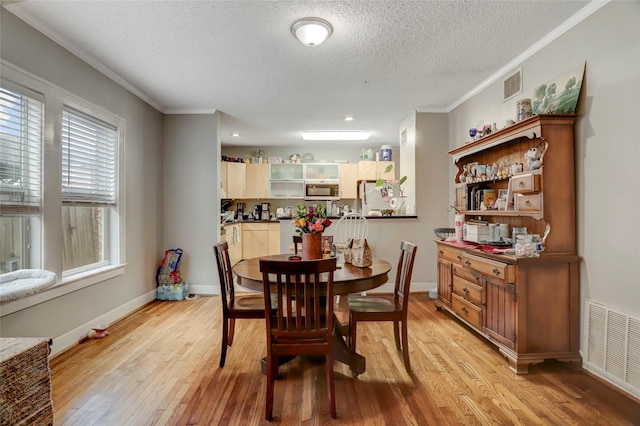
322	190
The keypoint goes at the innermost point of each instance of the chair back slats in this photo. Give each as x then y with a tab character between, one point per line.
352	225
404	272
225	274
301	289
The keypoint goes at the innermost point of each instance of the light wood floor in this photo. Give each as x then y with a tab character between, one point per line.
160	366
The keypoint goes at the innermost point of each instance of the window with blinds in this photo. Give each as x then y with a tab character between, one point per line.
89	160
21	136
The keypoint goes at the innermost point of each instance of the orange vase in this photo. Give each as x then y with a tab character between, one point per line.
311	246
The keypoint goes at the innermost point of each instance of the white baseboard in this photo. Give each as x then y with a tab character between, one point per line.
205	290
64	342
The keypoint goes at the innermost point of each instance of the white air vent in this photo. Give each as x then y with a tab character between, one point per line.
613	346
512	85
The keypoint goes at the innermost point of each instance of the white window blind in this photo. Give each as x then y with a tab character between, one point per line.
89	160
21	123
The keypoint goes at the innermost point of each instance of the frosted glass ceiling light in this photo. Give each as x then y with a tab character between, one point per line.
335	135
311	31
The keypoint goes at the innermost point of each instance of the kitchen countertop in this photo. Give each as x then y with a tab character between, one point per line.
368	217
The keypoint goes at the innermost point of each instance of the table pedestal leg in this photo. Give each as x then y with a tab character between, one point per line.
343	353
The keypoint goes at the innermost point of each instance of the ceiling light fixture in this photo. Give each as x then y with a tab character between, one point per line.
311	31
349	118
235	135
336	135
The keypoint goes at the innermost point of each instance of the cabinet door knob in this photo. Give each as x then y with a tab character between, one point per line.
460	258
496	271
467	263
464	309
441	252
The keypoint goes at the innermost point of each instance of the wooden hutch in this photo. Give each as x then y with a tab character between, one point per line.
527	306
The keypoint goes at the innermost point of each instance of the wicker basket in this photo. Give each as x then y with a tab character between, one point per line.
444	233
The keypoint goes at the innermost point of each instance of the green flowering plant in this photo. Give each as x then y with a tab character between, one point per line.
392	184
311	220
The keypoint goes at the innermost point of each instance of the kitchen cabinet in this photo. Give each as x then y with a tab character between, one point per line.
286	180
374	170
257	181
260	239
274	238
322	171
233	180
286	171
348	181
527	306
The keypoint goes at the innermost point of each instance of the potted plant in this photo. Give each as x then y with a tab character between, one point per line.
398	202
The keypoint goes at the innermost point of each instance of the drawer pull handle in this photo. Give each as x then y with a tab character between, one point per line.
466	312
460	258
521	184
441	252
527	203
496	271
466	290
467	263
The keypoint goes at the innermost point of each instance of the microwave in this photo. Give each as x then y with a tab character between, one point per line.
322	190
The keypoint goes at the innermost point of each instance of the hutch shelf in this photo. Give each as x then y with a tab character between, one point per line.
527	306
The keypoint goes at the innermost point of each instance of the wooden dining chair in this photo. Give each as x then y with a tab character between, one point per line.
249	307
297	244
303	322
387	308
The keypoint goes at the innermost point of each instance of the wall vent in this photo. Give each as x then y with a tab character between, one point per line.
613	346
512	85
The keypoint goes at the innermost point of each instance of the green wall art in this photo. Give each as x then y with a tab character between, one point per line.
559	96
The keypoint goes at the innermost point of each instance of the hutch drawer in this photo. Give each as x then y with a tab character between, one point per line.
489	267
467	290
525	183
451	255
531	202
466	310
468	274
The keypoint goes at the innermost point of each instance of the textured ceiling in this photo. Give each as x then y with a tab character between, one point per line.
384	59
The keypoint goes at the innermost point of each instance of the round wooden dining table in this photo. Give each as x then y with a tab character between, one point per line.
346	280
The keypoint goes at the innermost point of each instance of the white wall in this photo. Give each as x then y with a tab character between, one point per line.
191	206
69	317
607	148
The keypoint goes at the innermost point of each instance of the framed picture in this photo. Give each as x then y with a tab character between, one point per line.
472	168
502	193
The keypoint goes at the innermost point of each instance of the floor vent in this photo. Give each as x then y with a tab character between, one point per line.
613	346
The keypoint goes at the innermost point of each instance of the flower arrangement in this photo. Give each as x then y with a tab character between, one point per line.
311	220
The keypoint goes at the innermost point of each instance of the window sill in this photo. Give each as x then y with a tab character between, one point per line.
65	286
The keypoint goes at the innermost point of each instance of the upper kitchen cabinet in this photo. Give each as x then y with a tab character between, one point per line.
257	181
374	170
286	171
322	171
233	180
349	181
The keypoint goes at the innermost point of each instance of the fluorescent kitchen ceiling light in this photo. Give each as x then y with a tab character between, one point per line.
336	135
